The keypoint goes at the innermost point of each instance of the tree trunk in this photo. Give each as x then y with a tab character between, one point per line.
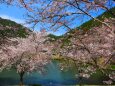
80	81
21	78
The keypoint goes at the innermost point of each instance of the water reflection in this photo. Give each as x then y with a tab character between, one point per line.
53	77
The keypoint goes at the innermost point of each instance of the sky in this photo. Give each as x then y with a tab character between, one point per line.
17	14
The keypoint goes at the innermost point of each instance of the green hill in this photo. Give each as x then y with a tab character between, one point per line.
92	23
10	28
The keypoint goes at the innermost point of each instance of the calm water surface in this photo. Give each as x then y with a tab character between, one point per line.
53	77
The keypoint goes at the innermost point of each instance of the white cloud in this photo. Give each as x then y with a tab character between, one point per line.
20	21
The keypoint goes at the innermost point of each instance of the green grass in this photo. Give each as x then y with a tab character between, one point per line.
113	67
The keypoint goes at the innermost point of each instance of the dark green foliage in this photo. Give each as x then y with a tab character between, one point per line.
54	37
66	42
10	28
21	33
6	22
13	33
113	66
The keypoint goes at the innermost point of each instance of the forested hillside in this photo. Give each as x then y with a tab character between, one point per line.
10	28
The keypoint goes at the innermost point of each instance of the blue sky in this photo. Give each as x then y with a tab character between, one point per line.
16	14
12	12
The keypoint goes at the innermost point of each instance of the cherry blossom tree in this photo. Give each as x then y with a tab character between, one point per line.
90	51
55	14
26	54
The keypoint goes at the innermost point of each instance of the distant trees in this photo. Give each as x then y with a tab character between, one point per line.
25	54
55	14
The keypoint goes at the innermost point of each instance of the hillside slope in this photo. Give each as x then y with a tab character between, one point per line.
84	27
10	28
92	23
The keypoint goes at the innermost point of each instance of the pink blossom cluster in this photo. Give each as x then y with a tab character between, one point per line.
26	54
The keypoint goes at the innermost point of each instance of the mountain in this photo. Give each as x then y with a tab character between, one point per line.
10	28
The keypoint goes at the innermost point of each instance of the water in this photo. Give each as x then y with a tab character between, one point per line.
53	77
